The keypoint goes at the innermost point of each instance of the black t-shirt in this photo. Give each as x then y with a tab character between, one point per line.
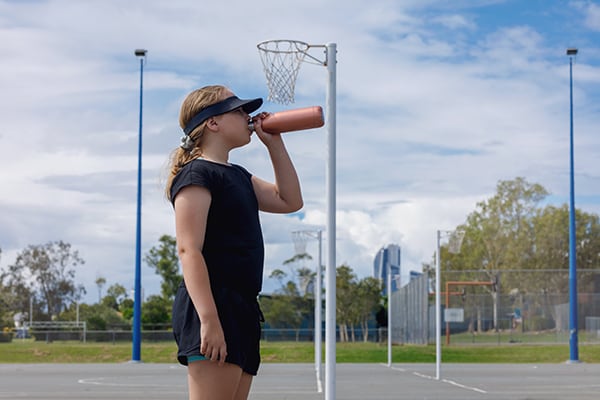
233	243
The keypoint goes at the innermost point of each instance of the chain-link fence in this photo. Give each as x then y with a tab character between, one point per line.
489	317
534	308
410	312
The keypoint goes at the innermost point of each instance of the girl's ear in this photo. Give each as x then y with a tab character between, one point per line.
212	124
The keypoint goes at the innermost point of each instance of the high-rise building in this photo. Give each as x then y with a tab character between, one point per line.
388	259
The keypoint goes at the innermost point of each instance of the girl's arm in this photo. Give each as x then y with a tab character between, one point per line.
191	213
285	195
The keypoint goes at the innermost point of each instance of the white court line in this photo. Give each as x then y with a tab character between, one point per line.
100	381
394	368
448	381
460	385
282	392
319	386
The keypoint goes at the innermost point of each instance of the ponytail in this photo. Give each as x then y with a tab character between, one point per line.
193	103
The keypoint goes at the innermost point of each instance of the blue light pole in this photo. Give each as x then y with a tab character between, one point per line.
573	337
137	301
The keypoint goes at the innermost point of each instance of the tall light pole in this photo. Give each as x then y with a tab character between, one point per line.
137	301
573	337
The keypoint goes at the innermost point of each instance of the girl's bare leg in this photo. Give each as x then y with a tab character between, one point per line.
243	387
210	381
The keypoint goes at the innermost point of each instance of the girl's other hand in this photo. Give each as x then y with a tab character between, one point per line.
212	340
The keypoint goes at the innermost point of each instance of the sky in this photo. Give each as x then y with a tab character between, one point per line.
437	101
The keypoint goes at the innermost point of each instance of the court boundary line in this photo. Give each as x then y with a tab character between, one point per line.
99	381
448	381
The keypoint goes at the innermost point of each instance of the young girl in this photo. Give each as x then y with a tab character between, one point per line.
216	318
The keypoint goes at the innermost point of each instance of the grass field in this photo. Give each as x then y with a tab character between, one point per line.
29	351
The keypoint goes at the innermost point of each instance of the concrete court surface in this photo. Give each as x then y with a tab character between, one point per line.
298	381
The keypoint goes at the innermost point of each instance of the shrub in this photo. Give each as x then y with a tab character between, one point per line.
6	337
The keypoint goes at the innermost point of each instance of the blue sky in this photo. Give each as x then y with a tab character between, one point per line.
436	102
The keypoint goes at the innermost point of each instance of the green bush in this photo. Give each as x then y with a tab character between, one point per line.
539	324
6	337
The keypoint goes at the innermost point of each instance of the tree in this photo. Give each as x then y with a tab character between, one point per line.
293	303
126	309
588	246
156	313
551	251
368	296
115	295
281	311
6	305
6	300
499	234
286	308
346	307
96	316
356	302
305	277
165	261
47	271
278	275
524	248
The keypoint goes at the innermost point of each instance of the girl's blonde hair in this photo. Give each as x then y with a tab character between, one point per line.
195	102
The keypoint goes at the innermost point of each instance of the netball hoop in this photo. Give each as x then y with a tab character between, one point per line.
281	61
455	242
300	239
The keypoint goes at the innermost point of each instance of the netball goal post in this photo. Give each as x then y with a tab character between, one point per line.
281	61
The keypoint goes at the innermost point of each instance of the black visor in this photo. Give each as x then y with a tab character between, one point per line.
223	106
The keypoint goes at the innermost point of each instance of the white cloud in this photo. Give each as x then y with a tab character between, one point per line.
455	21
592	17
432	110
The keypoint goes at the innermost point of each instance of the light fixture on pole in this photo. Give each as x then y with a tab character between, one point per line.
137	301
573	336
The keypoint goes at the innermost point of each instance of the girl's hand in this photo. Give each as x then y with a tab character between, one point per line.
212	340
266	138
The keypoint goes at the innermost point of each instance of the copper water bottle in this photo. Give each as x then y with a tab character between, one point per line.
293	120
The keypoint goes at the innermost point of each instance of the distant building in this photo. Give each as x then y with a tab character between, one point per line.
388	259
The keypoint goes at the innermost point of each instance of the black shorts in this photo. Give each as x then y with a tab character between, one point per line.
240	319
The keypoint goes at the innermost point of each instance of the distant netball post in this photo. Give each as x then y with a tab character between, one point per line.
300	238
281	61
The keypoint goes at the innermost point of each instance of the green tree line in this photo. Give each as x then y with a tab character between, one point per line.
357	300
512	239
521	245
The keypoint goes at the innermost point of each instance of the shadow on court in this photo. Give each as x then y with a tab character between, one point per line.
298	381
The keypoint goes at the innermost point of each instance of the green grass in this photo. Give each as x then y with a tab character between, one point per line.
29	351
508	337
